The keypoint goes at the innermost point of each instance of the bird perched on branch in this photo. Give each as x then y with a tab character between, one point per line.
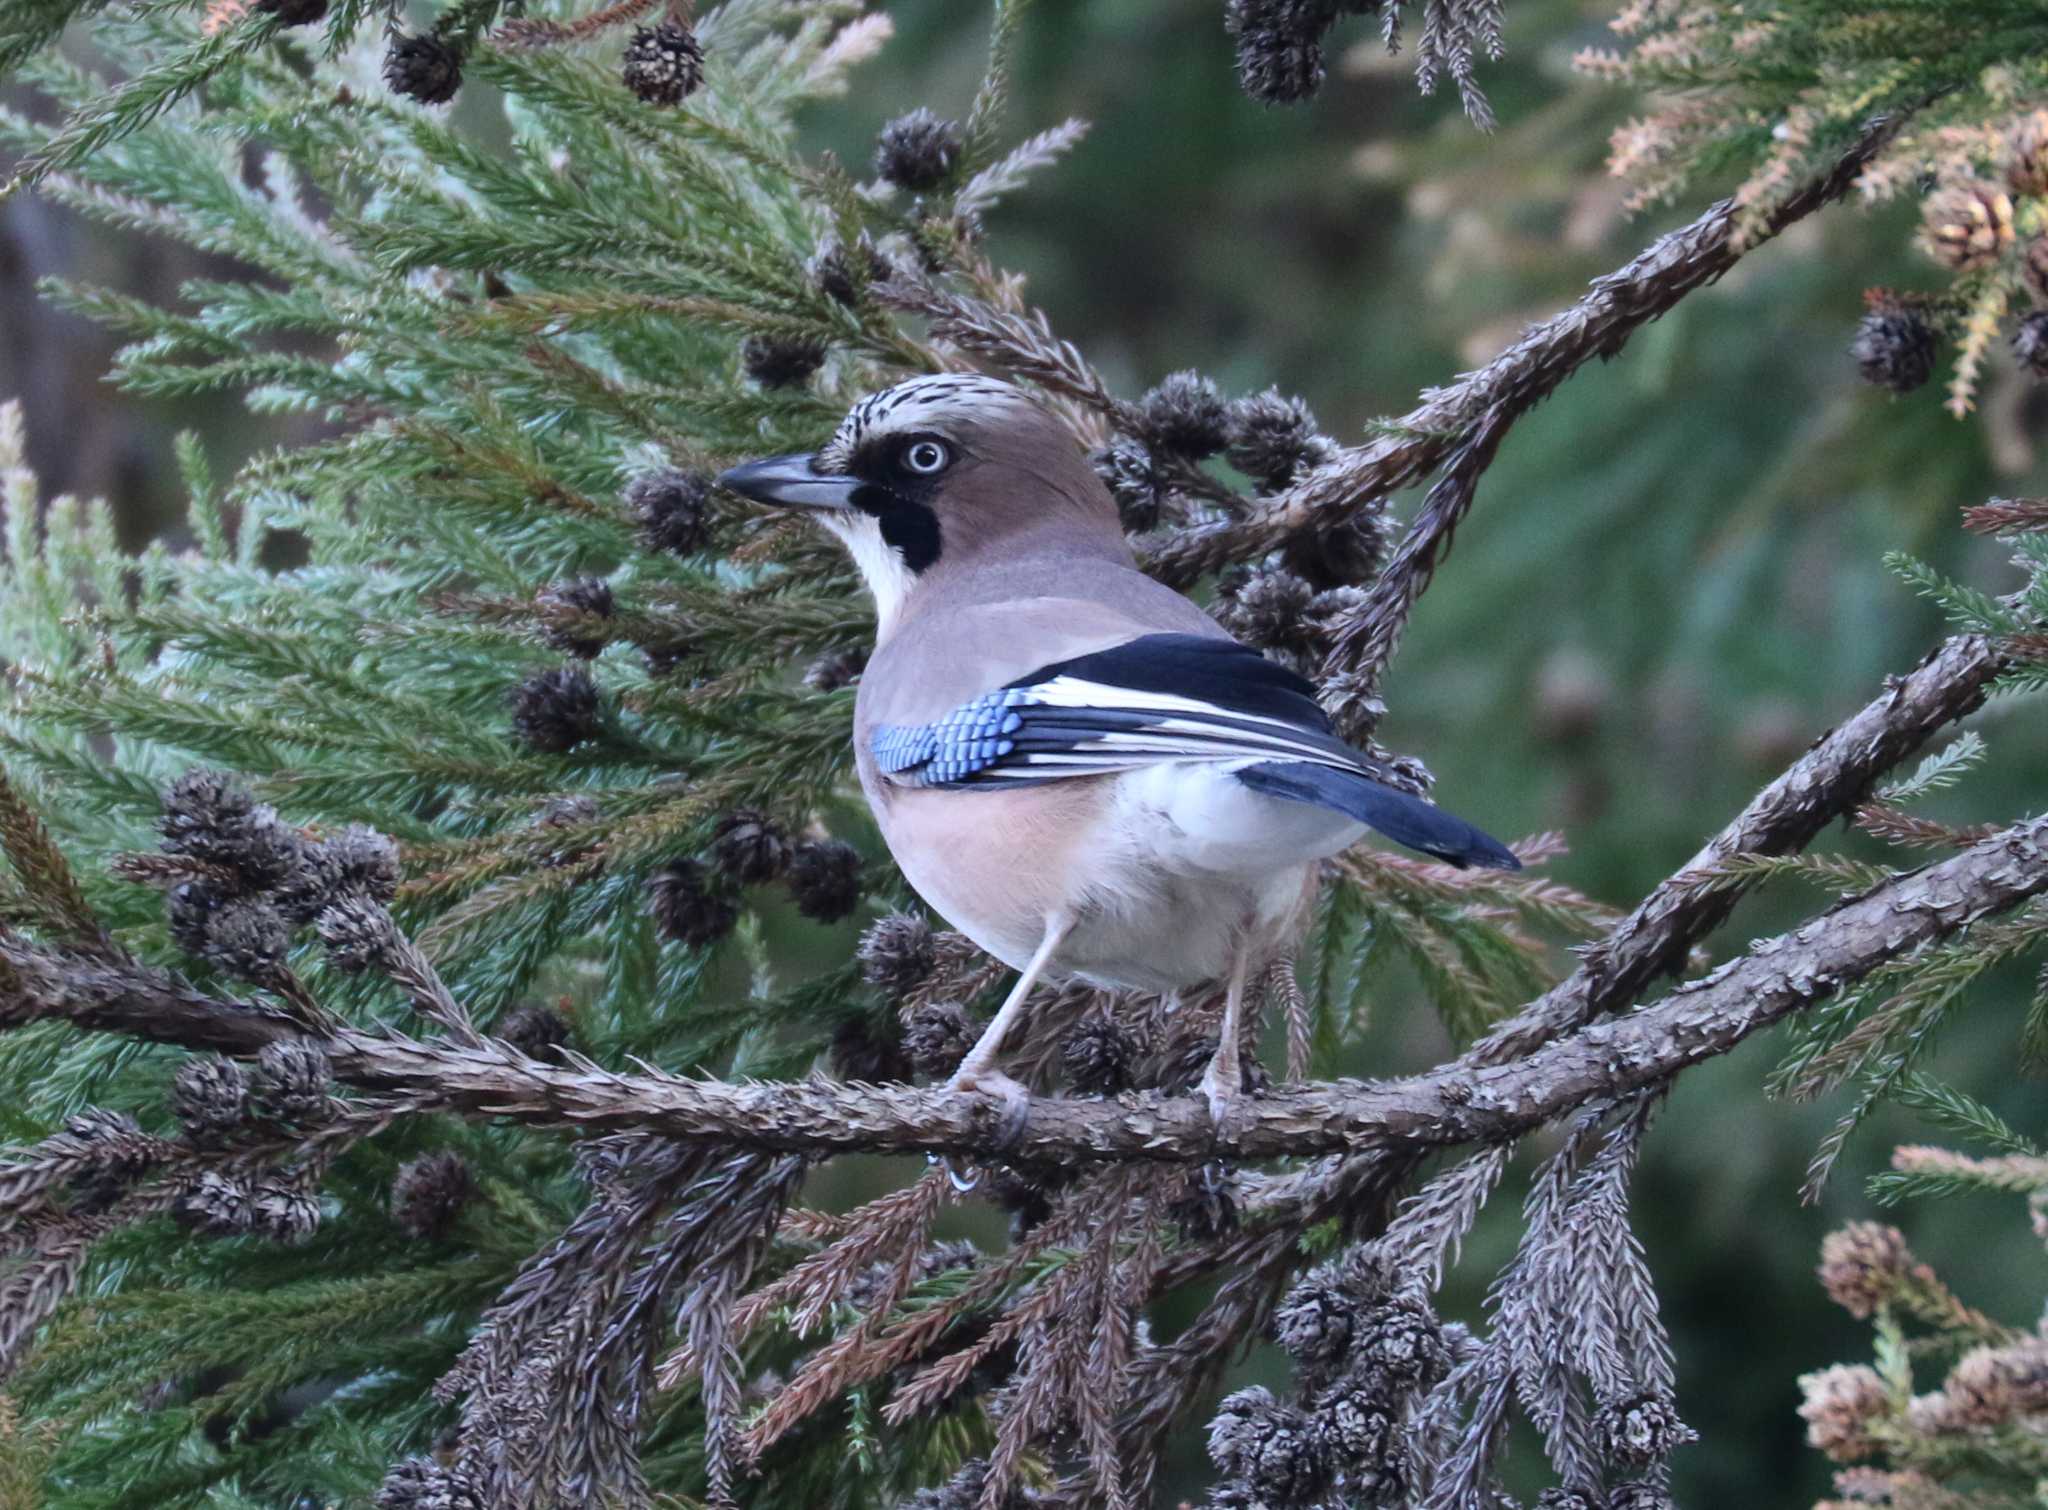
1072	763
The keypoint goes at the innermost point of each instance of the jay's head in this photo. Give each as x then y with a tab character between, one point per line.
941	474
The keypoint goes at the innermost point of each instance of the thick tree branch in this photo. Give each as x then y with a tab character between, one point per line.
1459	1103
1521	377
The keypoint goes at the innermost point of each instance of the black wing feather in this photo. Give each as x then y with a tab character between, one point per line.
1245	707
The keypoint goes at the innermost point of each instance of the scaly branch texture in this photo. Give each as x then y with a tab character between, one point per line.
1463	1102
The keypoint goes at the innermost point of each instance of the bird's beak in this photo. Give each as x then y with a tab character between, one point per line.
792	482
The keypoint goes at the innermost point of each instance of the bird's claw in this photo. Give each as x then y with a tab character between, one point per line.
1224	1091
1014	1098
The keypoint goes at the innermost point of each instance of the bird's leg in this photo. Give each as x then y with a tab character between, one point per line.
977	1071
1223	1081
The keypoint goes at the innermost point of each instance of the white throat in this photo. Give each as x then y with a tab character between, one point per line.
881	566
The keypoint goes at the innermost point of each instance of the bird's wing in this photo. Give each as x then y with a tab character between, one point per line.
1168	698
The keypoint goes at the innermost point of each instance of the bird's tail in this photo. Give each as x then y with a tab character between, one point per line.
1410	821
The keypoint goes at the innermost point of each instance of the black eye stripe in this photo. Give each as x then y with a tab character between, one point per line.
913	530
908	525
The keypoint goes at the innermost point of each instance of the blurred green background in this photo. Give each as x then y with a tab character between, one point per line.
1671	583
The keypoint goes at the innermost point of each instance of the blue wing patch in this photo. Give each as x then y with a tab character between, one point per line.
963	744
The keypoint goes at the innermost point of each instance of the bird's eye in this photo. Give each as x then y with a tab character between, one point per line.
925	457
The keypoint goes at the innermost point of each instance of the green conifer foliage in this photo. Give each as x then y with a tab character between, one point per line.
436	904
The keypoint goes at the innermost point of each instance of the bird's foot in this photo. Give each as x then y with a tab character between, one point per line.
1014	1098
1223	1089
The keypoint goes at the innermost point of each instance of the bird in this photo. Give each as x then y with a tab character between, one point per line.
1071	762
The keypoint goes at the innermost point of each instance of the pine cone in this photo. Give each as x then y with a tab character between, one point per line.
824	879
781	361
749	847
1205	1206
897	954
917	151
423	68
2030	343
215	1205
428	1194
1272	610
1361	1434
937	1036
293	12
1997	1386
248	938
869	1049
357	862
839	668
566	607
292	1083
210	815
1274	439
555	711
1641	1430
1402	1341
2034	268
1185	416
210	1097
671	509
1314	1321
1127	470
2026	155
1864	1265
423	1484
842	274
283	1214
1839	1406
534	1030
1279	48
1339	553
1269	1446
1968	225
1894	347
685	907
664	64
359	935
188	912
1097	1056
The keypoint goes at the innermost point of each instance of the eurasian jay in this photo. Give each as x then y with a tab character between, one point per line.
1072	763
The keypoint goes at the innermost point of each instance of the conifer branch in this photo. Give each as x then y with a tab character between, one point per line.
1475	1099
1514	382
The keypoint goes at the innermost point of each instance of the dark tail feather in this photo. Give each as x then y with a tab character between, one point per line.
1421	826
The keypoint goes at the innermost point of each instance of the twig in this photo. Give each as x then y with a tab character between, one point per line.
1365	638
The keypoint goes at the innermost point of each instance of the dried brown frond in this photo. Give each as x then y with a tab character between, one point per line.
528	32
2021	1173
873	1347
1281	980
1980	331
148	868
46	879
2007	516
1022	343
1897	826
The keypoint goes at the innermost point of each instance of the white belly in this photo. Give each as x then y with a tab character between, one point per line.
1190	861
